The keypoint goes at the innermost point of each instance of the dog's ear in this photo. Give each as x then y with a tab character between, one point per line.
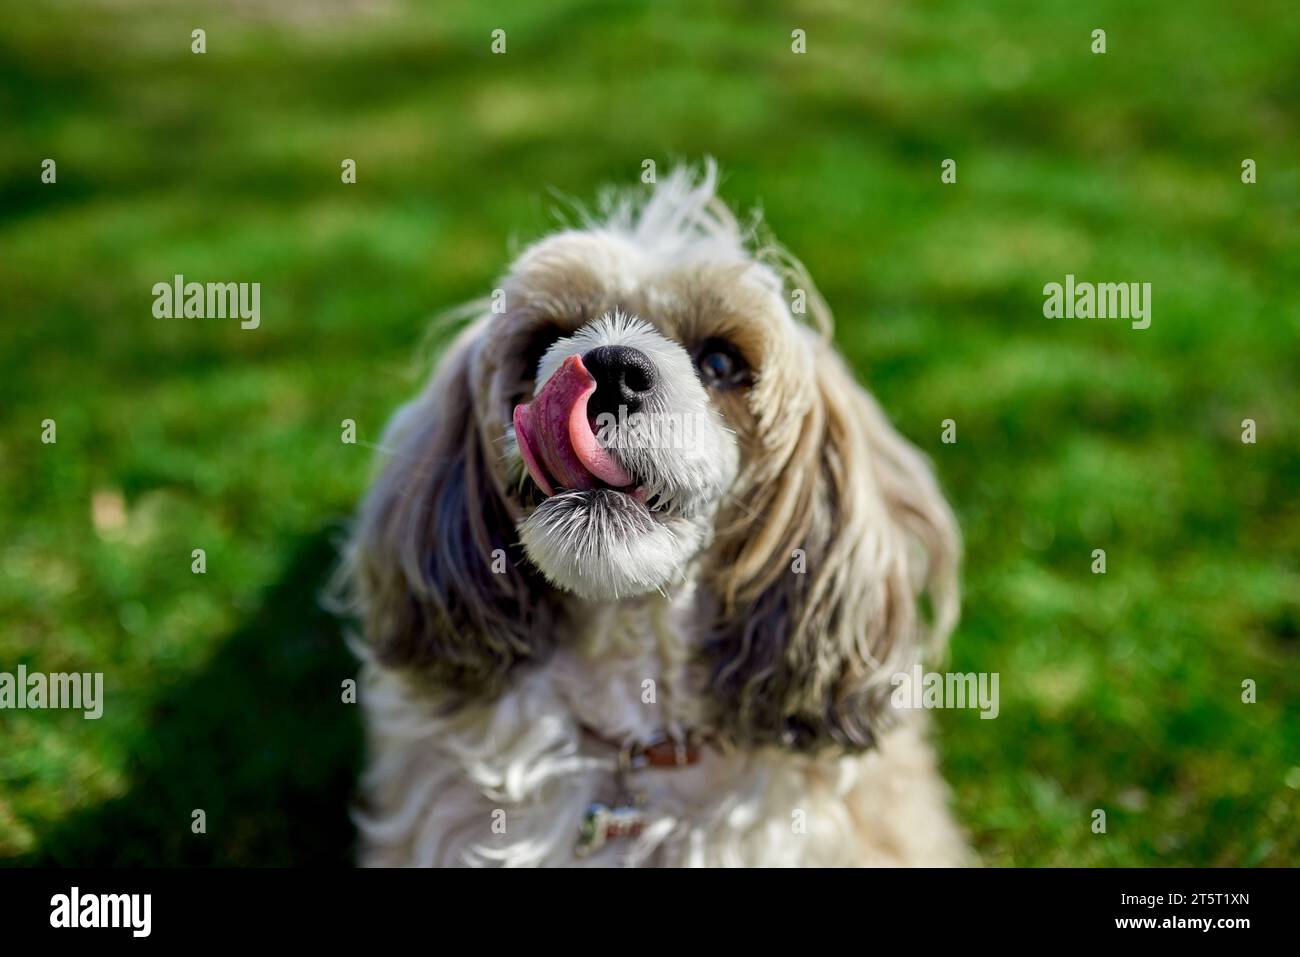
819	570
435	561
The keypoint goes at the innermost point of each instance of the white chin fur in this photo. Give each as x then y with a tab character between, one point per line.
602	545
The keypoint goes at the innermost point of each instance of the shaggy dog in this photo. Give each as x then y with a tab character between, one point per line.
638	570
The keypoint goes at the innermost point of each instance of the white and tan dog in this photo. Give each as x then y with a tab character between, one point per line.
639	568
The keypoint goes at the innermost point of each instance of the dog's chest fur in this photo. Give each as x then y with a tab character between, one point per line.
627	673
509	783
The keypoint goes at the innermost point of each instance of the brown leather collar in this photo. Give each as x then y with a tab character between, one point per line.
662	752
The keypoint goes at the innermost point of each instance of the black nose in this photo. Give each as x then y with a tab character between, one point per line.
624	377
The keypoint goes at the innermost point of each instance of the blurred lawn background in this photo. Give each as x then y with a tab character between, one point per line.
1120	692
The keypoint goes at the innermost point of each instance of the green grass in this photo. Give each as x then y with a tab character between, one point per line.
1120	692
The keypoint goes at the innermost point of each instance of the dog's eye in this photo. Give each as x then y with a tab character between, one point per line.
721	365
539	341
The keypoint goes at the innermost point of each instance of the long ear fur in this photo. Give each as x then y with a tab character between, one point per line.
807	642
422	556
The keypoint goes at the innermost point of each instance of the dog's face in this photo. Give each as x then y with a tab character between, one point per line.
630	453
638	415
650	408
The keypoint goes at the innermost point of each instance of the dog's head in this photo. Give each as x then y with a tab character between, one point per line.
647	405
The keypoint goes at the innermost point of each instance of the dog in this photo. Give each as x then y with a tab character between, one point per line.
638	567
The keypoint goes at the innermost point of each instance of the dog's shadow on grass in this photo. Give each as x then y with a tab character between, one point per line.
260	741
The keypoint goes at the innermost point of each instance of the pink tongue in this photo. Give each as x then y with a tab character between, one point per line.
555	438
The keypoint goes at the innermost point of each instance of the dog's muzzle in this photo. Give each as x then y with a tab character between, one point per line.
632	461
